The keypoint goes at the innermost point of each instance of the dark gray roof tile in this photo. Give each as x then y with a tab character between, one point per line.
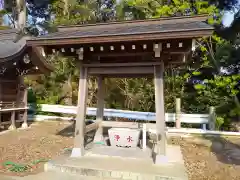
127	29
9	46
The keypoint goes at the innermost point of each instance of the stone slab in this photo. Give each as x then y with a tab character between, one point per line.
105	162
9	178
110	151
53	176
59	176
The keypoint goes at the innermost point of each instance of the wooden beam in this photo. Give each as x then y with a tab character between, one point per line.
133	125
120	124
126	38
160	110
121	54
78	149
127	75
91	127
9	122
135	64
120	70
12	109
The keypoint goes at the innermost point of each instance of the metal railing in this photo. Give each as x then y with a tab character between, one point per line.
132	115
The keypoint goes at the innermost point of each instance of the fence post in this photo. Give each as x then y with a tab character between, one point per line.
212	118
178	113
144	136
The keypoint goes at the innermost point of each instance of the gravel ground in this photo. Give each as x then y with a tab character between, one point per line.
205	158
41	141
211	158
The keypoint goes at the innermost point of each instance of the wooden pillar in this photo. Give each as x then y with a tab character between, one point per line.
13	121
78	149
160	110
178	113
25	111
99	139
22	98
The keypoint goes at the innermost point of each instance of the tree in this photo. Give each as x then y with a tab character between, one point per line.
198	83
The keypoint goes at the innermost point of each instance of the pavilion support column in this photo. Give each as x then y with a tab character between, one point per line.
25	111
78	149
22	98
13	121
99	139
160	113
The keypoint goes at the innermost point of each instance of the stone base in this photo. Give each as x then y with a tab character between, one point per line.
106	162
24	125
173	156
99	139
77	152
12	127
161	160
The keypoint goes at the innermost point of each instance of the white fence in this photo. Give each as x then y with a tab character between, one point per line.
203	119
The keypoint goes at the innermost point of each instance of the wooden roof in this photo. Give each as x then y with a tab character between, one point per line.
153	29
13	47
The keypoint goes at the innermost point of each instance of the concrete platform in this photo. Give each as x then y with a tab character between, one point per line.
9	178
110	151
106	162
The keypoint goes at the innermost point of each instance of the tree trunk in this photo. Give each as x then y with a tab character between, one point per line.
21	14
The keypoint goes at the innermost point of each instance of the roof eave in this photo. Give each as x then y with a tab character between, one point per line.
199	18
40	61
122	38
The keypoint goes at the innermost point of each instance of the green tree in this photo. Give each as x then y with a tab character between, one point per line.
206	66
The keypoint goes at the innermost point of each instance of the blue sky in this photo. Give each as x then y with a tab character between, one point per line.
228	18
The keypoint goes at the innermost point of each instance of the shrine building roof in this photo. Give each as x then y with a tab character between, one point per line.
10	47
13	48
152	29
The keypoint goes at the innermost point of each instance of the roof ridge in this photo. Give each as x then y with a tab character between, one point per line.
72	32
137	21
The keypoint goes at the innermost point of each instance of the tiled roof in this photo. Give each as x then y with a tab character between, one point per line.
8	34
10	46
129	28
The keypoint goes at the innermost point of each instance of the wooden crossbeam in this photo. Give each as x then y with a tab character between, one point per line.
135	64
121	70
91	127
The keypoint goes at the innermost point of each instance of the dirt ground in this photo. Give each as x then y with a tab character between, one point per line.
41	141
205	158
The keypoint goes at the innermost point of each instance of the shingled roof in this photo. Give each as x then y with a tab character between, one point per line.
13	47
10	46
175	27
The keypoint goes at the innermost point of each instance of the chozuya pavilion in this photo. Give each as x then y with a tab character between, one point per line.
124	49
16	61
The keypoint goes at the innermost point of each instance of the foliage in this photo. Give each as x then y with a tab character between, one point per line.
138	9
14	167
57	87
211	78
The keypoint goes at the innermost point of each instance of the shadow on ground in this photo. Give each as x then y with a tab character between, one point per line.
226	150
69	132
18	125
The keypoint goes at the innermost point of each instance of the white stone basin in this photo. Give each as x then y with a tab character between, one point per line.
124	137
